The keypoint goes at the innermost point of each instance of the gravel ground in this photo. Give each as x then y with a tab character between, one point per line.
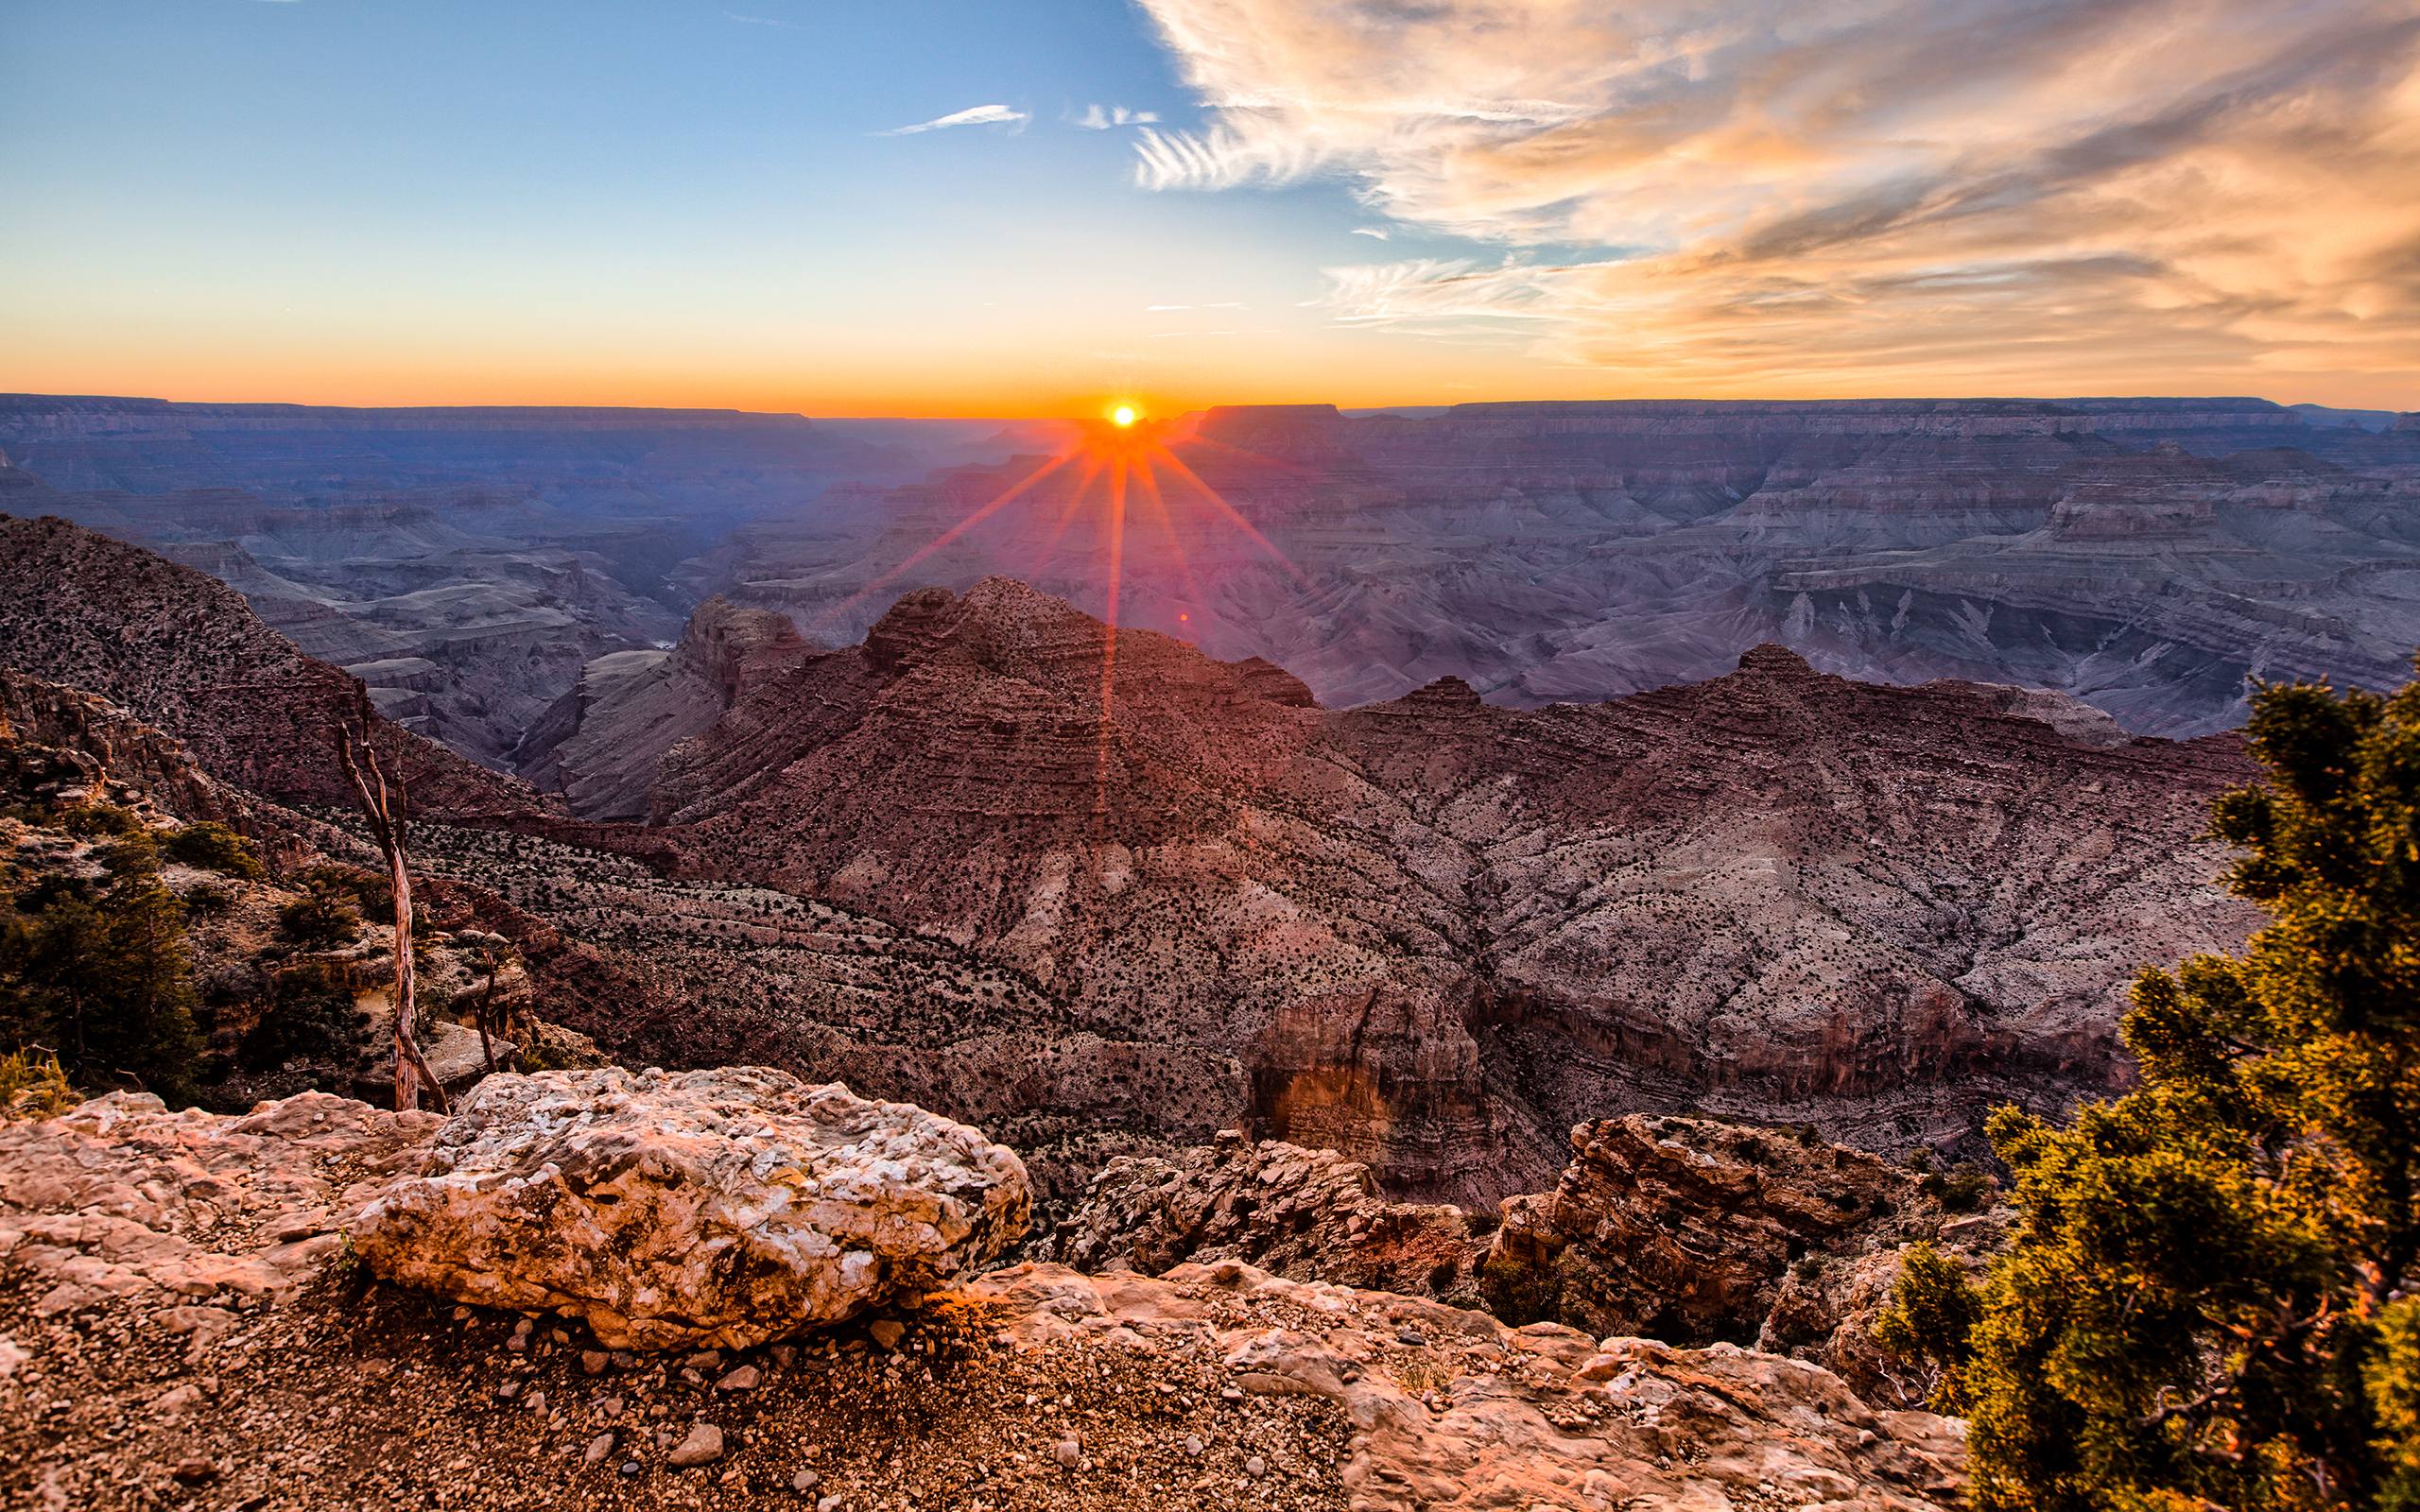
355	1396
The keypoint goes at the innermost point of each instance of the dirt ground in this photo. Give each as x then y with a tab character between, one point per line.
361	1396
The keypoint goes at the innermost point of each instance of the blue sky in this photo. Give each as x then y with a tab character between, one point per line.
1360	200
425	199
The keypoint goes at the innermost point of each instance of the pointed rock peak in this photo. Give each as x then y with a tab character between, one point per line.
1447	690
1774	661
911	625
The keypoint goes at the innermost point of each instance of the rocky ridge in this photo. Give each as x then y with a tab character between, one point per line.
176	1320
182	651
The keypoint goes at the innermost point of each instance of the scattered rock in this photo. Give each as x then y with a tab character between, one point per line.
703	1446
195	1471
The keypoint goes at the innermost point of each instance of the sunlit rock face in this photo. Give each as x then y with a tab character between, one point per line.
1433	933
2141	555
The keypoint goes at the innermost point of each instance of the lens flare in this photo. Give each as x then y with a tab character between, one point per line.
1125	459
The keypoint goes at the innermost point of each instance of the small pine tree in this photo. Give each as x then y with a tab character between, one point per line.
2209	1300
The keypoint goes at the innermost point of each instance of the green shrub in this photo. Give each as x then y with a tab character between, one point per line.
91	820
315	921
2212	1299
1960	1191
310	1016
208	901
34	1084
106	983
213	847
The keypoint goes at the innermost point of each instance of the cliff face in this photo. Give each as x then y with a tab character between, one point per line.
184	651
2141	555
1436	932
601	743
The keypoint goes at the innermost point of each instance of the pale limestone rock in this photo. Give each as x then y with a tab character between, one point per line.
120	1199
674	1210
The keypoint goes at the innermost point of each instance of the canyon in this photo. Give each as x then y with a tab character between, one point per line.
1100	912
2145	556
477	567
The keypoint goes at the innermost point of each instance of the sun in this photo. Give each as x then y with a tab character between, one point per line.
1123	416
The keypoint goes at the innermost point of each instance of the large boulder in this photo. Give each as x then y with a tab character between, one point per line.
707	1208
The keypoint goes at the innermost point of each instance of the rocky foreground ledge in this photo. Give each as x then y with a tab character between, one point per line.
185	1321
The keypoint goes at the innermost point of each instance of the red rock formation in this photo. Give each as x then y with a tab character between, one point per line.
1439	933
1299	1213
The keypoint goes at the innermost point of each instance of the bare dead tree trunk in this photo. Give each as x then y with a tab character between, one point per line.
384	809
486	1012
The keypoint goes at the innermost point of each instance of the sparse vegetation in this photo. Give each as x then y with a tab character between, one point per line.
34	1084
213	847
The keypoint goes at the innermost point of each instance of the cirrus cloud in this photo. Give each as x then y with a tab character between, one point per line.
972	115
1838	195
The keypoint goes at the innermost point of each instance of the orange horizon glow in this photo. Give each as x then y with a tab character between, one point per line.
1393	386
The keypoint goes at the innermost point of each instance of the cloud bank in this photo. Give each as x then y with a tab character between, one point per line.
973	115
1834	196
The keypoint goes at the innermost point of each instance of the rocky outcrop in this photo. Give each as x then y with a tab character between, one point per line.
713	1208
119	1200
1683	1229
602	744
58	743
1693	1230
179	1323
183	651
1305	1214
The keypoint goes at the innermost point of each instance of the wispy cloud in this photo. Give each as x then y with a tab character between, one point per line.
1377	233
972	115
1108	117
760	21
1860	195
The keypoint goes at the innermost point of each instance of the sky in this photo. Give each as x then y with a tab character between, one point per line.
1033	207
